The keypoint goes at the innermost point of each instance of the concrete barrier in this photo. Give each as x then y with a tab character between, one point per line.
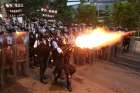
135	45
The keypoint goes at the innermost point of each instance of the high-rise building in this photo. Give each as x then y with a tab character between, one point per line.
102	4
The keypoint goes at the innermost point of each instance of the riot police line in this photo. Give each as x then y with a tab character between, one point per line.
51	48
45	47
62	47
13	51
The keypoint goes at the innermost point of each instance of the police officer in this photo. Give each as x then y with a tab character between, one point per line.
56	52
43	54
31	49
61	63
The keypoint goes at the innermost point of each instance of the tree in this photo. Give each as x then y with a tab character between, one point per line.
124	15
108	15
136	3
86	14
82	1
65	13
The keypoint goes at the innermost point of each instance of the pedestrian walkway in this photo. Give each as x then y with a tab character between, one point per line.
129	59
131	56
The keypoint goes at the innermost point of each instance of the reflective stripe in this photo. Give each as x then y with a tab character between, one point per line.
59	50
36	44
54	44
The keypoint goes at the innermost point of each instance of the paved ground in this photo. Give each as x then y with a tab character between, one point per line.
130	60
101	77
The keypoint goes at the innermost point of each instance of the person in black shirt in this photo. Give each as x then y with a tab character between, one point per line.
43	54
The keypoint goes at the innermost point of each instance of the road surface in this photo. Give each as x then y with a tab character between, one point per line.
100	77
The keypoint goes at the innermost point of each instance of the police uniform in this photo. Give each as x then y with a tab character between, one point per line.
43	54
60	63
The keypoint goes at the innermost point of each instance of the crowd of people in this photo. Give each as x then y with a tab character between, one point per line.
48	45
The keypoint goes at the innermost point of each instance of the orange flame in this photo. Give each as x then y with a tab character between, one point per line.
98	38
20	33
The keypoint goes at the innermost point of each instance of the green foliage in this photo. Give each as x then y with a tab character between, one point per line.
125	14
137	12
65	14
134	1
86	14
108	15
82	1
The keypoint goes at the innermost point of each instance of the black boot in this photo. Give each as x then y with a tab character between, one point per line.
44	81
69	85
69	88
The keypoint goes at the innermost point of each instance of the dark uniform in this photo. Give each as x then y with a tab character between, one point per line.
43	54
31	49
61	60
8	58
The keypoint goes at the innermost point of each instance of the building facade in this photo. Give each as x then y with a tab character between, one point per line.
2	9
102	4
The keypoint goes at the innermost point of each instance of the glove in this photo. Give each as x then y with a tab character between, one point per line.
59	50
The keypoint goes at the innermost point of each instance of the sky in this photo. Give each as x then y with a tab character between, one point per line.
73	3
